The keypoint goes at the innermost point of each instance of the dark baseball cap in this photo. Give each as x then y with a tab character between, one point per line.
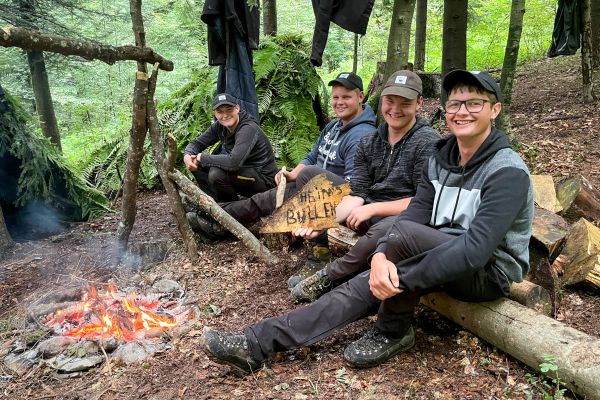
224	99
349	80
403	83
478	78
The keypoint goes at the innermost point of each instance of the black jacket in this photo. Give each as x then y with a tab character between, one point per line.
351	15
383	172
248	146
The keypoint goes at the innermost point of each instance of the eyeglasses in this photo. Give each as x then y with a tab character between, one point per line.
472	105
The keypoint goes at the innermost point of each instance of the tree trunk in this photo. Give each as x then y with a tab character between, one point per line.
164	165
43	97
399	38
511	55
420	35
596	34
586	52
527	336
29	40
227	221
5	239
137	135
269	17
454	37
355	55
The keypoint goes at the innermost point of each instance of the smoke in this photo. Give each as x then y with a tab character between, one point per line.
35	220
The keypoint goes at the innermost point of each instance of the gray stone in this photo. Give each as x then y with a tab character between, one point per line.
131	353
167	286
55	345
65	363
20	363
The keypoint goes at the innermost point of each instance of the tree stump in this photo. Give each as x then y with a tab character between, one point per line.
579	260
550	230
544	193
579	199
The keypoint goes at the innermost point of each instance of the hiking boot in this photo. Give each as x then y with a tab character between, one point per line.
312	287
231	349
317	256
206	227
374	348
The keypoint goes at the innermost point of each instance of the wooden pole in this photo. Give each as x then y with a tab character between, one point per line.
528	336
227	221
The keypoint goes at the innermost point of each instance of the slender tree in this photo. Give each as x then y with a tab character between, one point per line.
586	52
511	55
454	36
420	34
355	55
269	17
595	33
399	38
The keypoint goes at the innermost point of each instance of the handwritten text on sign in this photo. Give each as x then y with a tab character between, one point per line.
312	207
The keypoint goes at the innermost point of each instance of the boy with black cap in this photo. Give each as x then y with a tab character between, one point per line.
243	163
333	153
465	232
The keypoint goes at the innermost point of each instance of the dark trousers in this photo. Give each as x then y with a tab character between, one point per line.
353	300
355	260
262	204
224	185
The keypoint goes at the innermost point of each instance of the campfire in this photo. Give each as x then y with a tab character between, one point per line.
102	315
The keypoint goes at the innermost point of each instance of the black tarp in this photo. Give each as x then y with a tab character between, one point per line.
566	36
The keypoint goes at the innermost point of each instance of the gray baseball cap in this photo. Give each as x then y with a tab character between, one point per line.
478	78
403	83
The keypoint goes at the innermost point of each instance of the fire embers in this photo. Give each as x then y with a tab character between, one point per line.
126	316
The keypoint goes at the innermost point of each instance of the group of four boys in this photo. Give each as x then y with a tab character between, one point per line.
451	214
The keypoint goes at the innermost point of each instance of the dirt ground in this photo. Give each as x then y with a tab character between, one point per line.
559	135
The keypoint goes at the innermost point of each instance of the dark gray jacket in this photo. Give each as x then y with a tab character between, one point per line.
247	147
383	172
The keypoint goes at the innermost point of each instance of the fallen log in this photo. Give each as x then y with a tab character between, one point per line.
527	293
528	336
550	230
579	260
544	193
30	40
579	199
227	221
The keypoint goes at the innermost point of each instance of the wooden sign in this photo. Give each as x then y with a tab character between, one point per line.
312	207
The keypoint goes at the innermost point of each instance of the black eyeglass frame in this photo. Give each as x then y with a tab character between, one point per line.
461	102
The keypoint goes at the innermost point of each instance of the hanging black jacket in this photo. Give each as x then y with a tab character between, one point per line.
245	20
351	15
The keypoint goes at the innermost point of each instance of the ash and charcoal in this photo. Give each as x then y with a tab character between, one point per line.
60	337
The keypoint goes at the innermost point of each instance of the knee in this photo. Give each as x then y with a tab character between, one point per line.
402	232
216	176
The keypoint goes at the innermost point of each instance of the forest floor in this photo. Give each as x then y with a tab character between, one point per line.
559	135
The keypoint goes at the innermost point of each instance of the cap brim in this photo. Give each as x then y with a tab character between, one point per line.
400	91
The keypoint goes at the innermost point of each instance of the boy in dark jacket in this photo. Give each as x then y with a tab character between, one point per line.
466	232
243	162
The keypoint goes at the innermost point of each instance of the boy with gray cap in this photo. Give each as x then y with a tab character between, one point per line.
465	232
243	162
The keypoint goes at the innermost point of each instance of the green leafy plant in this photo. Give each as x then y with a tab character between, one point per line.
550	387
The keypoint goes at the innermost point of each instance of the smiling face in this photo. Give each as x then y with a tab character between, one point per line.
346	103
472	126
228	116
400	113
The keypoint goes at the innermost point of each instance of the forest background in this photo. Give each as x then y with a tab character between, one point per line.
92	100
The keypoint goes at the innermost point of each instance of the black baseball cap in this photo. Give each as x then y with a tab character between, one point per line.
478	78
403	83
224	99
349	80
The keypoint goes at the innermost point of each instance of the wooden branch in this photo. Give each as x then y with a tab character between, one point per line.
227	221
31	40
527	336
158	150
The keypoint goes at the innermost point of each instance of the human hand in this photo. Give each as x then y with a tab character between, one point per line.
357	216
383	281
306	233
191	162
281	173
347	204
